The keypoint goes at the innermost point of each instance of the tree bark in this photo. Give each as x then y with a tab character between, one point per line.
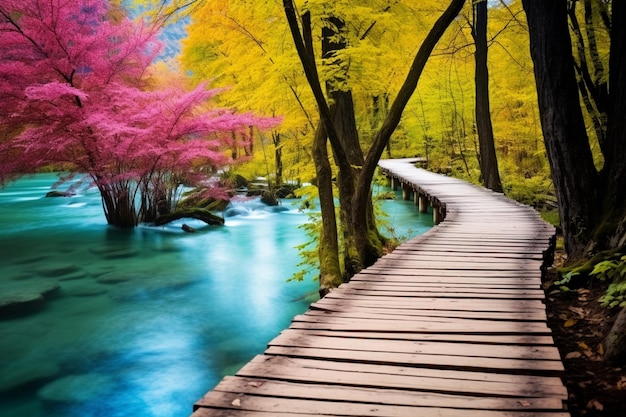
487	157
576	180
330	275
592	205
344	119
615	341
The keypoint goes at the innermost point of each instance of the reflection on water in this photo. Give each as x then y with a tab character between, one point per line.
140	322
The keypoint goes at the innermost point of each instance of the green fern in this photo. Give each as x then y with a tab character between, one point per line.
614	272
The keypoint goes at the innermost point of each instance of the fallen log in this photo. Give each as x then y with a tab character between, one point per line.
193	213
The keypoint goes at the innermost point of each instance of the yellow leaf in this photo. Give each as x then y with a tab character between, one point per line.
573	355
583	345
595	405
570	322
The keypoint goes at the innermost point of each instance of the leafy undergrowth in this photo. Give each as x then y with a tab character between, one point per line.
579	323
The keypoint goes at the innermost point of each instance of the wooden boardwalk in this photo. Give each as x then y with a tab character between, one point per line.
452	323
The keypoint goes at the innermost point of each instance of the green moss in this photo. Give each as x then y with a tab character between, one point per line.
579	273
552	217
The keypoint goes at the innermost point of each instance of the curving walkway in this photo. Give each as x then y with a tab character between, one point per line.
452	323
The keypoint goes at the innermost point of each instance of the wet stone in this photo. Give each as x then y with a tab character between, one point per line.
77	388
148	288
114	252
56	269
116	277
86	291
19	298
25	371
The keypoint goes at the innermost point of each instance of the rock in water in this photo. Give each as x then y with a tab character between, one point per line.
77	388
24	371
18	298
188	228
114	252
57	269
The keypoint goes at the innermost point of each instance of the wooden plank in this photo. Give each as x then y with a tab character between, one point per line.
290	338
339	308
517	339
227	400
417	271
446	293
443	303
504	365
555	384
414	285
442	325
410	278
362	394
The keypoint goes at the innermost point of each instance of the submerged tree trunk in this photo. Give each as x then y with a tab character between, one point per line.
487	155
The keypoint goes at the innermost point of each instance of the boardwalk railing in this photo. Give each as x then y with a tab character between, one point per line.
452	323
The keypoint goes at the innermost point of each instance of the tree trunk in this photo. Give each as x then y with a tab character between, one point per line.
363	189
487	156
615	341
611	233
278	158
576	180
344	120
592	206
330	271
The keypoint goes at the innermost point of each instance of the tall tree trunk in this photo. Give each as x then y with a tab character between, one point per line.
576	180
612	229
592	206
344	119
278	157
487	158
360	218
363	189
330	271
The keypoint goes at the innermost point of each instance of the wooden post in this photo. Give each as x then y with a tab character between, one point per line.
406	191
423	203
394	183
437	218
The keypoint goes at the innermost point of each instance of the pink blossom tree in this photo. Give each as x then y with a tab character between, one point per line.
74	94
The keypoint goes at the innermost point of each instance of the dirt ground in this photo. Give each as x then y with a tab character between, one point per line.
579	323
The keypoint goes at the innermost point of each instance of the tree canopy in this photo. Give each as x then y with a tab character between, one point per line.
77	94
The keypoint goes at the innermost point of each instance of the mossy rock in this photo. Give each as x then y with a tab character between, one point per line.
18	298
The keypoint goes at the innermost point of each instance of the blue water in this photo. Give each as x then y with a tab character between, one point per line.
145	321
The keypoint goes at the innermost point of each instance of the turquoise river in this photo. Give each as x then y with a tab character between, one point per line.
144	322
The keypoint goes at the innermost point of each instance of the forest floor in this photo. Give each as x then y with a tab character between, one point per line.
579	324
